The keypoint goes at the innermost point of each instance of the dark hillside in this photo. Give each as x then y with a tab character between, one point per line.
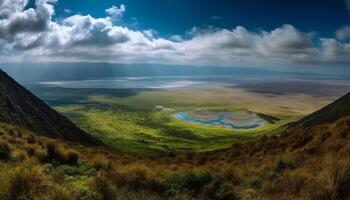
331	113
20	107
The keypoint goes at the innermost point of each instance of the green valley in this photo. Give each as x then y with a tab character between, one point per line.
143	122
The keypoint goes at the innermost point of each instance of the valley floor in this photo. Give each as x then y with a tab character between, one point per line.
143	122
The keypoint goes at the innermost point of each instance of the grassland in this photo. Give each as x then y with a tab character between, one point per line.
130	120
308	164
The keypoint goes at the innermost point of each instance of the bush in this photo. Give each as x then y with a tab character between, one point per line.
59	156
25	182
339	176
226	192
102	163
53	153
229	174
86	168
59	193
31	139
188	182
290	183
71	157
19	156
85	193
15	132
30	151
41	156
279	167
104	187
69	170
219	191
135	178
5	152
254	183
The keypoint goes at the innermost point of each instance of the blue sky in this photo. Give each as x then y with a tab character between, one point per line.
281	34
178	16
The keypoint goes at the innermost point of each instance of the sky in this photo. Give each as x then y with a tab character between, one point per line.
242	33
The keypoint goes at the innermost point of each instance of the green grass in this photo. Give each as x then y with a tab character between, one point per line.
133	124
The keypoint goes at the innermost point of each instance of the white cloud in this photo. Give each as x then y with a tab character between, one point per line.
343	33
115	12
33	34
67	11
150	33
176	38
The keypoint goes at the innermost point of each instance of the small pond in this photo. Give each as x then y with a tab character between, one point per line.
233	120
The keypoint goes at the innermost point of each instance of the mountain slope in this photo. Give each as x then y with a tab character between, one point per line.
20	107
331	113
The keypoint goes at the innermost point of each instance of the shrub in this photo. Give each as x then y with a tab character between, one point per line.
19	156
60	193
280	166
85	193
290	183
71	157
104	187
25	182
59	156
5	152
15	132
254	182
188	182
31	139
219	191
30	151
102	163
229	174
52	152
339	179
69	170
226	192
136	178
41	156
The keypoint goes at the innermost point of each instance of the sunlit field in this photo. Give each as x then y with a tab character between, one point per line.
143	121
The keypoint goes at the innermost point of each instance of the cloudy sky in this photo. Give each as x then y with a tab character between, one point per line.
273	33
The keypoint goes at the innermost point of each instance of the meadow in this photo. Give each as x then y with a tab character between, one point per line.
142	121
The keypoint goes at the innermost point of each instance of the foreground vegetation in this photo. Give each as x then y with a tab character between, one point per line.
309	163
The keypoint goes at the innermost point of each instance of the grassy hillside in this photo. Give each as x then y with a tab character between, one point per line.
301	164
